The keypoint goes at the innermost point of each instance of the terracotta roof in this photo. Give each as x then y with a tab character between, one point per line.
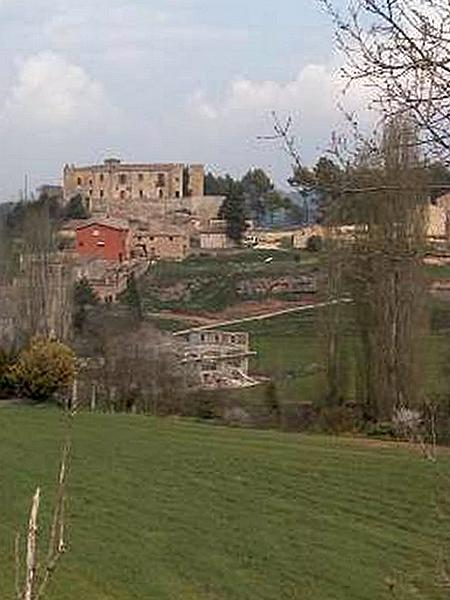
73	224
105	222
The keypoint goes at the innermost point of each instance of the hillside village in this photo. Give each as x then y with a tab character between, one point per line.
225	300
138	216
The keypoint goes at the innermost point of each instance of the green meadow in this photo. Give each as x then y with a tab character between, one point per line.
170	509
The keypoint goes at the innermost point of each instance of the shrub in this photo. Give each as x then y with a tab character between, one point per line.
272	401
336	420
314	243
42	369
6	388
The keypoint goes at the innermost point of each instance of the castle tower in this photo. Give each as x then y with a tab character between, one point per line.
196	180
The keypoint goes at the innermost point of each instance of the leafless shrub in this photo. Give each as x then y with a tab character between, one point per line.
37	575
418	428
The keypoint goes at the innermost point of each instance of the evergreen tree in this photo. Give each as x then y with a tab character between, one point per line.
76	209
233	212
83	296
133	299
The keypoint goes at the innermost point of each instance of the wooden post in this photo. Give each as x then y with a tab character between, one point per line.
31	562
93	397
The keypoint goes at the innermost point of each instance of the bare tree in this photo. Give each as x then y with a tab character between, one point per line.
399	50
136	370
385	271
46	281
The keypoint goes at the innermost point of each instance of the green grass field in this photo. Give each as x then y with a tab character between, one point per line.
167	509
290	350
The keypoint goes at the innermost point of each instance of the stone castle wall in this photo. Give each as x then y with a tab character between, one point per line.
113	186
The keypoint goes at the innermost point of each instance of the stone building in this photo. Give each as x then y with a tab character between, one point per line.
214	236
161	241
219	359
109	187
108	279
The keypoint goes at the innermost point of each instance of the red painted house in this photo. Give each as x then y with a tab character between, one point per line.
108	239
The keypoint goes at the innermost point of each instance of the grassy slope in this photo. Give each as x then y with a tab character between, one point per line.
167	510
289	348
213	280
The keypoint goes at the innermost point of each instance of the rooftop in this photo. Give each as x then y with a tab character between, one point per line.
116	163
119	224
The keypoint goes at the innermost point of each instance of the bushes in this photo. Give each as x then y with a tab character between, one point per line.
314	243
42	369
6	387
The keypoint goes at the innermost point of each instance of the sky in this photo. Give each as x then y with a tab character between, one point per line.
155	81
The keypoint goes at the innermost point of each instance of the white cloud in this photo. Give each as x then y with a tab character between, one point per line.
316	93
231	124
52	92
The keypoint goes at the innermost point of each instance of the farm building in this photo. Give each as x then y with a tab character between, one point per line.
106	239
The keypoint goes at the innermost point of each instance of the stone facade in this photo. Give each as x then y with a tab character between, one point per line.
108	279
113	186
219	359
161	241
214	237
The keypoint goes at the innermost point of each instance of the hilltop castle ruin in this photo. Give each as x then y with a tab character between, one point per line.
136	190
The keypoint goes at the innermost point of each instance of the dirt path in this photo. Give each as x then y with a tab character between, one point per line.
262	317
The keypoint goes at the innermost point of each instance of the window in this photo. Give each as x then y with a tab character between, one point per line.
102	177
152	238
96	233
177	194
79	181
140	177
81	244
161	180
122	178
170	238
102	193
122	194
90	181
161	193
141	193
100	243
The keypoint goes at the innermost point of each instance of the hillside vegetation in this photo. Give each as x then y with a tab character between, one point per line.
166	509
213	283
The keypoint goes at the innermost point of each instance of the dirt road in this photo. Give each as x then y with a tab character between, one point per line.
262	317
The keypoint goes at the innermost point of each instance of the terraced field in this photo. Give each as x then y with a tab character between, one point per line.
168	509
